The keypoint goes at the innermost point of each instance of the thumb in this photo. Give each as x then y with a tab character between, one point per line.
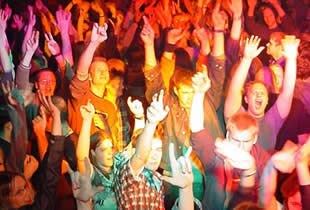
167	108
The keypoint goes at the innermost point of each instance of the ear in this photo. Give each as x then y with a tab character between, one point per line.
246	99
175	90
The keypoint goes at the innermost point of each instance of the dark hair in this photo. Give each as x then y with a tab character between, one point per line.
303	60
6	183
181	77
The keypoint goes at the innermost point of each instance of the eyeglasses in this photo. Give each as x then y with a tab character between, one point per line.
45	82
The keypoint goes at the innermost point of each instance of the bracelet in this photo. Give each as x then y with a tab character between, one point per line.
140	118
169	47
237	18
218	31
250	174
57	55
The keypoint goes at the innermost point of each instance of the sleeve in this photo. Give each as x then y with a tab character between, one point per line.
19	137
50	173
153	82
203	145
232	50
217	77
305	195
22	76
78	88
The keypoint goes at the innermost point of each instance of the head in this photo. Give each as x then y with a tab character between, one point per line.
274	46
102	151
256	96
269	16
116	84
242	130
155	155
15	191
303	60
99	73
46	82
182	86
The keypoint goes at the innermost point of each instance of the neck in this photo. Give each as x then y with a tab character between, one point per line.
98	90
257	116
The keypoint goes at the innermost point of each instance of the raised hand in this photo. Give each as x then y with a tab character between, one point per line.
81	183
63	18
32	16
236	7
156	111
18	22
10	93
251	45
52	44
252	3
7	11
3	20
237	157
147	34
50	107
135	107
31	164
174	35
182	175
201	81
33	43
284	160
290	47
99	33
87	111
39	123
218	18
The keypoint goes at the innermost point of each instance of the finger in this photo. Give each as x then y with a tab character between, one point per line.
161	96
46	37
182	164
171	154
70	171
188	165
129	101
154	98
87	167
188	152
259	50
50	36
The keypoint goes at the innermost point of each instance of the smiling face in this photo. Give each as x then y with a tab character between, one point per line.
154	157
104	153
46	82
21	193
99	73
257	99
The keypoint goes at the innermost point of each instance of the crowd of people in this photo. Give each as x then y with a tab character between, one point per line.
155	104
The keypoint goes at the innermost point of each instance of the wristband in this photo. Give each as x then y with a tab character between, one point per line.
218	31
57	55
140	118
169	47
250	174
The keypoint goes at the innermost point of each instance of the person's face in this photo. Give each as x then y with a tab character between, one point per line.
154	157
115	86
46	83
2	157
242	139
257	99
185	95
22	193
277	72
105	153
100	74
269	18
273	48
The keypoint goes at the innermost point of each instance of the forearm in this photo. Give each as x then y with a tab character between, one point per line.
268	185
248	178
150	58
85	61
22	76
82	150
4	56
42	144
80	30
251	11
279	9
186	201
84	205
66	47
56	127
218	45
236	28
27	37
303	174
197	116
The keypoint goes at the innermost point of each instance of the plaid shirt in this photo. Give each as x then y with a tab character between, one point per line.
123	124
143	191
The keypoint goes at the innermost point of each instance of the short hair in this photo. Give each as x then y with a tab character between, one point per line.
277	37
181	77
242	121
250	84
37	73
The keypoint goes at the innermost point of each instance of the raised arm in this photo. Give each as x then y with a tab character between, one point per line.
234	96
22	74
218	20
236	8
63	22
156	112
4	56
83	145
147	35
284	101
29	28
98	35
